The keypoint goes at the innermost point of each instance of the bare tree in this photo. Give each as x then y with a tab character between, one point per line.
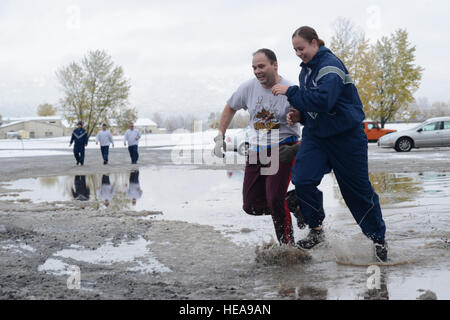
95	90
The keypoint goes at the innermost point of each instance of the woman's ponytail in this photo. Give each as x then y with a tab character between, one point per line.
308	34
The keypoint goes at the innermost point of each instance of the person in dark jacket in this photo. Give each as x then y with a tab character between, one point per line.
82	191
328	105
80	137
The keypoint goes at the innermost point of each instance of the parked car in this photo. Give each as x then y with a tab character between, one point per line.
238	141
374	131
433	132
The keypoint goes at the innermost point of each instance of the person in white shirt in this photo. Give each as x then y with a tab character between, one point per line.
134	190
106	191
132	137
105	138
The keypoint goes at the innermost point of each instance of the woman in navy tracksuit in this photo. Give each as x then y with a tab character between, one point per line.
328	105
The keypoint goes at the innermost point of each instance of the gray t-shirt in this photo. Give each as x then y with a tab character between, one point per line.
267	112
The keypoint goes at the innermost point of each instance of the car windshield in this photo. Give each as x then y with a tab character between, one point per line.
420	125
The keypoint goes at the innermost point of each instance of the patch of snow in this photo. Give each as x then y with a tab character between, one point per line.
54	266
132	251
20	248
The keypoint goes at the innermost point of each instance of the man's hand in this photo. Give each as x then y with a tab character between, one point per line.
279	89
125	144
70	145
220	146
293	116
96	143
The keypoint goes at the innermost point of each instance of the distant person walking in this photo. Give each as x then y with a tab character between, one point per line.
105	138
132	137
80	137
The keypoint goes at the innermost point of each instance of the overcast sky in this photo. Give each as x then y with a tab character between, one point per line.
189	56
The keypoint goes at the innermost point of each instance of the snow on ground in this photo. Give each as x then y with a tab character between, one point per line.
48	146
30	153
200	140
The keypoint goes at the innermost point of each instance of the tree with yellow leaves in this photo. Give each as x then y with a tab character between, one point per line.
353	48
397	77
45	110
384	74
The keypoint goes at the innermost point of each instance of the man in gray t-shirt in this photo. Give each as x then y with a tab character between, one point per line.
267	112
265	194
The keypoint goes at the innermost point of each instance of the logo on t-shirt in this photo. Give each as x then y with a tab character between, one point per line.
265	118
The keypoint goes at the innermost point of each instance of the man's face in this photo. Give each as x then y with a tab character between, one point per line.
264	71
303	49
79	126
131	126
104	128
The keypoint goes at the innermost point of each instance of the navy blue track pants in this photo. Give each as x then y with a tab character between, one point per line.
105	152
134	154
78	152
346	155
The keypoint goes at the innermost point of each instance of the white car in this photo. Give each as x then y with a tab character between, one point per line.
238	141
433	132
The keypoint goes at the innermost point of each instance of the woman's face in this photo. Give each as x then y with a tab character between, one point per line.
303	49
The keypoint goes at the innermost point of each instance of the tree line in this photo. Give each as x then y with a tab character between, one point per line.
384	73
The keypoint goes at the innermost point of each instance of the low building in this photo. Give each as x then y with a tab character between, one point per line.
34	127
145	125
57	126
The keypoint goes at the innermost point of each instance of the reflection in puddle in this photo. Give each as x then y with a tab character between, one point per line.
134	190
415	208
82	192
200	195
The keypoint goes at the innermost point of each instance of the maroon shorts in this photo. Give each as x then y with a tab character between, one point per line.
266	194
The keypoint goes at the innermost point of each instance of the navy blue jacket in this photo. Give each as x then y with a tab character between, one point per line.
327	98
80	137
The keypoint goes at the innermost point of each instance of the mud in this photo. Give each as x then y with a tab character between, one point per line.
140	254
272	254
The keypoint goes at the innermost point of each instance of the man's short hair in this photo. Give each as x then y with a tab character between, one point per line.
269	54
104	125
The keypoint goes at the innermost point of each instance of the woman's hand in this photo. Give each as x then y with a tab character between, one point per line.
293	116
279	89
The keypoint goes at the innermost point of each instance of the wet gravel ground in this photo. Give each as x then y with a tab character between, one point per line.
203	263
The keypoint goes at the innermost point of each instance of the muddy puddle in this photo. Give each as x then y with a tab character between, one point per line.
416	209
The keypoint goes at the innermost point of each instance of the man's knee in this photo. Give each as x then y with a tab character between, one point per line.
255	211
